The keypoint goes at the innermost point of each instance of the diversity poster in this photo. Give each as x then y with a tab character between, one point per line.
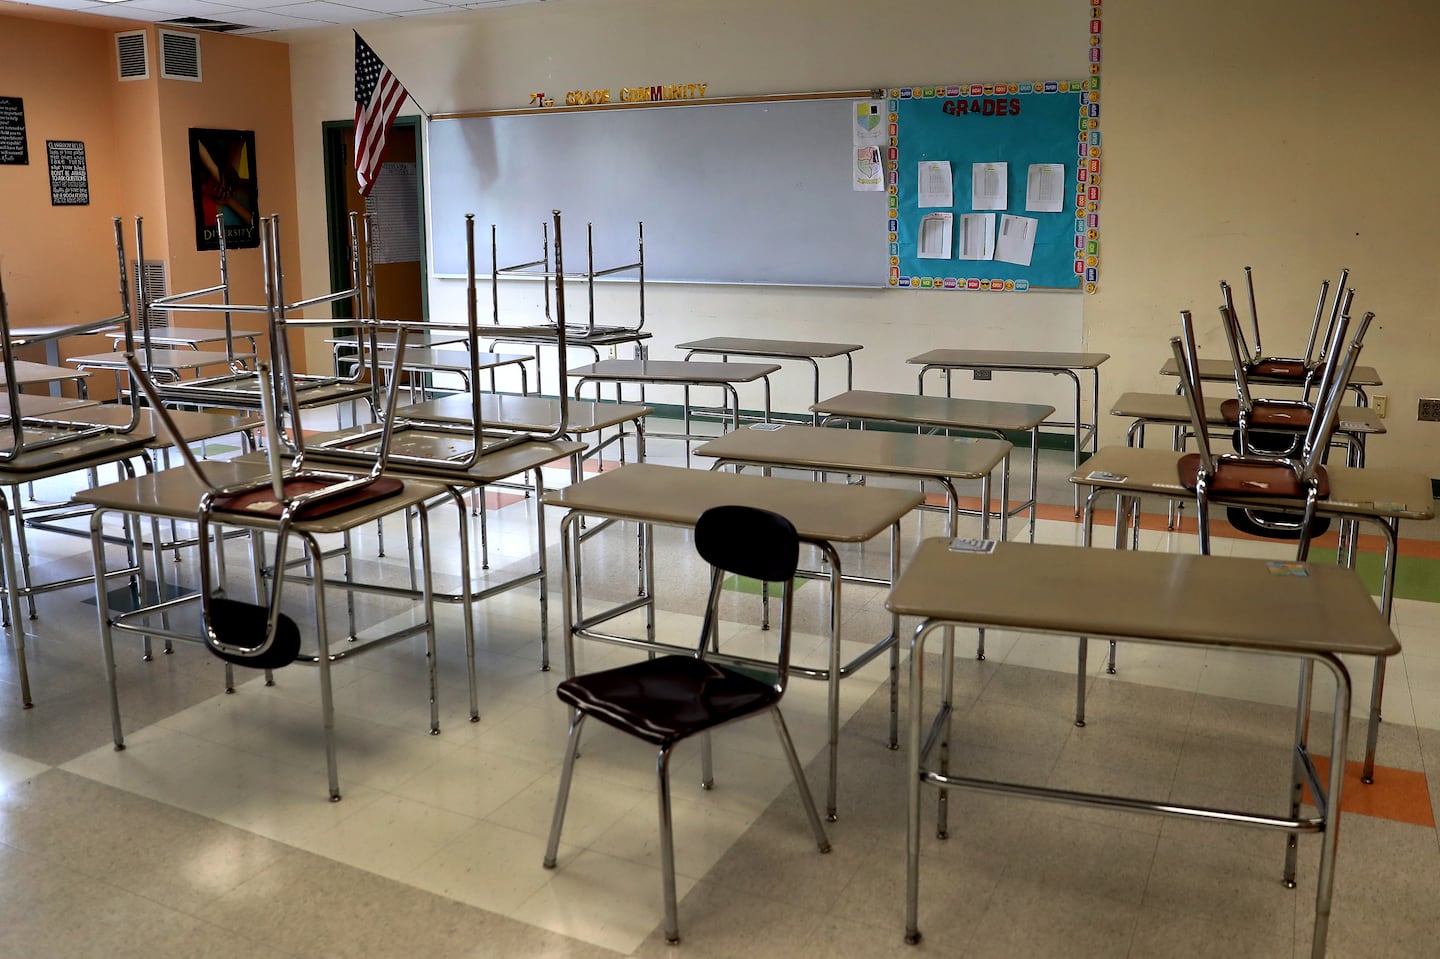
222	178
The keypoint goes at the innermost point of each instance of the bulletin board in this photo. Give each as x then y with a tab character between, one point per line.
1018	124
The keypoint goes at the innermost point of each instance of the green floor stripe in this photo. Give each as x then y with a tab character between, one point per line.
1416	577
744	584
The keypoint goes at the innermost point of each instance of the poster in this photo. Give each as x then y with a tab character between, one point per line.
222	179
13	149
69	181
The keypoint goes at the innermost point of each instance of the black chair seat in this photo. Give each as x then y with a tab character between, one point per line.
244	625
666	699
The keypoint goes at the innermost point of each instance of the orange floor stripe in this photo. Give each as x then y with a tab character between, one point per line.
1400	795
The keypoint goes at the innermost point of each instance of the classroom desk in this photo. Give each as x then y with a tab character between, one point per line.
538	414
1223	371
47	332
575	337
85	453
803	350
175	494
823	513
1381	497
162	361
241	391
41	374
427	359
938	459
43	407
944	413
188	337
1172	410
1195	601
1029	361
679	373
489	469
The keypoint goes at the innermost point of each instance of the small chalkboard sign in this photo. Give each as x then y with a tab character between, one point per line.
13	148
69	183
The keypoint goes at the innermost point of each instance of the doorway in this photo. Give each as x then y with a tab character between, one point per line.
400	269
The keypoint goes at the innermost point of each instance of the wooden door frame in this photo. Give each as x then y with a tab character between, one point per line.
337	161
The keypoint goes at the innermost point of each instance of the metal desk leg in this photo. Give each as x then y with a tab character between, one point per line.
1391	530
12	594
327	699
1034	478
894	742
544	589
833	681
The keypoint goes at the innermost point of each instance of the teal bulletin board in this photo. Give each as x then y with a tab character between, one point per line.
1017	124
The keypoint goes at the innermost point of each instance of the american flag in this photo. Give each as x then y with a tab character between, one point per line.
378	97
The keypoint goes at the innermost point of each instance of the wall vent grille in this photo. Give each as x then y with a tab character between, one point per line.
131	49
179	56
157	284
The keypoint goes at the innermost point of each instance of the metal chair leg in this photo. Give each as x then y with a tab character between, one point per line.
822	841
667	848
572	746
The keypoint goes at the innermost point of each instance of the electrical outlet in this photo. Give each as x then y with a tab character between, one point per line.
982	374
1429	410
1381	404
614	352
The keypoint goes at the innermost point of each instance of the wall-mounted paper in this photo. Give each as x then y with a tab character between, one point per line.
868	130
988	189
936	186
869	175
1045	188
977	236
933	239
1016	242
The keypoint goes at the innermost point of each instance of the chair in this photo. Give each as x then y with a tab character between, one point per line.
1248	477
670	698
1301	370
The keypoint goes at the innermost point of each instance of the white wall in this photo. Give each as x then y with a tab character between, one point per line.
495	59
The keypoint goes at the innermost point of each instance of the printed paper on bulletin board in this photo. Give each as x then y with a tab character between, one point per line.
1007	123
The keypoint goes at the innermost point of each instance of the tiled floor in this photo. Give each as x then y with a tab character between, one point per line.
210	835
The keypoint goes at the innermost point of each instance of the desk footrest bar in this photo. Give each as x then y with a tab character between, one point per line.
844	577
584	626
1212	814
1317	791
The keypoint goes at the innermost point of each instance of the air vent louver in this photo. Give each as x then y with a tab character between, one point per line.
131	52
179	56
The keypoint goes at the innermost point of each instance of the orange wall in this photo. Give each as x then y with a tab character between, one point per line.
59	262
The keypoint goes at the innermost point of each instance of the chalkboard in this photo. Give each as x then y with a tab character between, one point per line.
756	192
13	149
1018	125
69	181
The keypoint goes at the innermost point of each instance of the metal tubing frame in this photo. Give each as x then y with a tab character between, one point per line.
1326	823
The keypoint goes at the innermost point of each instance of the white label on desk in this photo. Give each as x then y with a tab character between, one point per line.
767	426
1104	476
1287	569
1346	425
1389	506
967	545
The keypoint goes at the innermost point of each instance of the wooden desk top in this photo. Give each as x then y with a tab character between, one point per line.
440	445
193	426
1225	370
1010	359
243	391
40	406
420	338
754	346
160	359
577	335
674	371
30	374
821	512
175	494
1378	493
187	335
42	331
1168	408
72	456
1166	597
939	411
863	451
525	413
450	361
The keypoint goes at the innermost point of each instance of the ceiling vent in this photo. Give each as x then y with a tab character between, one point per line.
132	54
203	23
157	285
179	56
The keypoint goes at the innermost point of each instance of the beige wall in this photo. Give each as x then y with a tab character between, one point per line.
1235	133
1297	139
491	59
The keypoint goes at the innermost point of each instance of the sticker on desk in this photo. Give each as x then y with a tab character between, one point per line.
767	426
1287	569
1389	506
1348	425
1105	476
967	545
